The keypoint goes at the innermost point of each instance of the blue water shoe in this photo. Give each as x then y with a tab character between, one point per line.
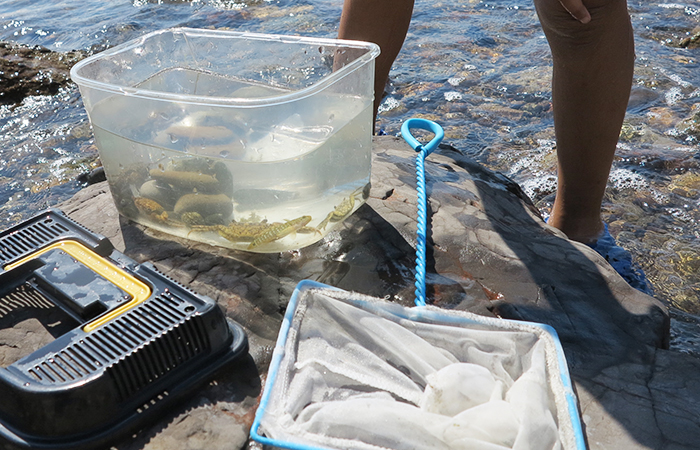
621	260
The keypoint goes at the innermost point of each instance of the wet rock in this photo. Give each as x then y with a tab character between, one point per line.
641	96
686	185
204	204
692	41
26	71
159	192
489	252
498	114
529	84
96	175
630	132
661	117
690	126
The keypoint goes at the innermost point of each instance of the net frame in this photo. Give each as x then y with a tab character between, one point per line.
568	419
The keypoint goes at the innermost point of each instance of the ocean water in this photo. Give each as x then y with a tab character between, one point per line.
480	68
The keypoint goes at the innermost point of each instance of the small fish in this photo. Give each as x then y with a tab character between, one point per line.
192	218
279	230
236	231
340	211
151	208
309	230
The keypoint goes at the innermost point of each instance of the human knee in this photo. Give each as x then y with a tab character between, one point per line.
562	28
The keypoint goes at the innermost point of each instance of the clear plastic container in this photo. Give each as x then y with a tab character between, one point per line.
248	141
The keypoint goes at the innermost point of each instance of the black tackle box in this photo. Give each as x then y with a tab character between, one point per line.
123	340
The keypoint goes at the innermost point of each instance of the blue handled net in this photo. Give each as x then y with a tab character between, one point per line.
354	372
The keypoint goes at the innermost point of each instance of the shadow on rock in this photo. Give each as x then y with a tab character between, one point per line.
602	322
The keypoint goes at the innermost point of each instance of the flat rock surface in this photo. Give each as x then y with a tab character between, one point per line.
489	252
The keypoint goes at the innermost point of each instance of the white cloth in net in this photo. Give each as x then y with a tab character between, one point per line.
367	378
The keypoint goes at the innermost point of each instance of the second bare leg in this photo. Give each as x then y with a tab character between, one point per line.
383	22
592	78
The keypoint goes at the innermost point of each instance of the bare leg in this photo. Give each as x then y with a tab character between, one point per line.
592	78
384	22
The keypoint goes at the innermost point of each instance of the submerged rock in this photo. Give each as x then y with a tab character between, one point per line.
489	252
691	41
690	126
26	70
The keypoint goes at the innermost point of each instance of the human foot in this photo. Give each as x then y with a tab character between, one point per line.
579	229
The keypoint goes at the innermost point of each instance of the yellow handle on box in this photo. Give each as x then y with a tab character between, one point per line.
137	289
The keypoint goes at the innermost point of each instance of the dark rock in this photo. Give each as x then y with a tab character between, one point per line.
690	126
26	71
96	175
690	41
489	252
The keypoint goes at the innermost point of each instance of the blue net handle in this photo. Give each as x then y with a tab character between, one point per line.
423	152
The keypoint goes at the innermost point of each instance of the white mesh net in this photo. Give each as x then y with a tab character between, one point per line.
361	373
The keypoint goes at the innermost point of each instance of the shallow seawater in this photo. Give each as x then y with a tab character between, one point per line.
479	68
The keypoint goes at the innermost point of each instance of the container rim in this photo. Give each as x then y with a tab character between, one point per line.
373	52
